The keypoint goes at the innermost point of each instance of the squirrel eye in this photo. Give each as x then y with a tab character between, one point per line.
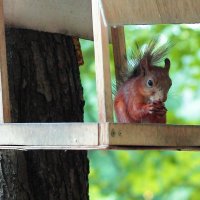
150	83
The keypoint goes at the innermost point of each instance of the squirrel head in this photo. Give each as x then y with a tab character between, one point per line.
154	81
145	75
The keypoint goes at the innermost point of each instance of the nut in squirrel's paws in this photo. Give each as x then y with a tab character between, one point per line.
157	108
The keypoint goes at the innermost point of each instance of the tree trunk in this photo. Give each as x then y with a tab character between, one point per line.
44	87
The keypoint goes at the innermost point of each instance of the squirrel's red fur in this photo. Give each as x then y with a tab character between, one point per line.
141	98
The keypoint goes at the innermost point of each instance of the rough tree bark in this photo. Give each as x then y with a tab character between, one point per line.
44	87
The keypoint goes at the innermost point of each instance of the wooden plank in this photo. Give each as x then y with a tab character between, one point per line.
4	88
1	102
153	148
102	59
104	134
154	135
58	147
119	52
44	135
70	17
85	136
119	12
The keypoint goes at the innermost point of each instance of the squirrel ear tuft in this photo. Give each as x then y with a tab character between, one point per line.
144	63
144	66
167	64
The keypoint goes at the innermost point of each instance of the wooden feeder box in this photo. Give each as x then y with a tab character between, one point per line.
74	17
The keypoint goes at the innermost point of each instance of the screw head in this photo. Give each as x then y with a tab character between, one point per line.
113	133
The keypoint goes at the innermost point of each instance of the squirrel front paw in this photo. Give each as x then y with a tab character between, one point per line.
157	108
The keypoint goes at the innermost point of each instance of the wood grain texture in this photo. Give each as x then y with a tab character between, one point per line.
49	134
76	136
74	17
104	134
4	88
119	12
119	52
102	64
154	135
70	17
25	148
153	148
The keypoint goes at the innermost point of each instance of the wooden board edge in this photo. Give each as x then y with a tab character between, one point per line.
49	134
4	87
119	53
104	134
146	12
154	135
154	148
25	148
102	65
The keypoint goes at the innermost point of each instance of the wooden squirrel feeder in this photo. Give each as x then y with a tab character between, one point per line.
61	17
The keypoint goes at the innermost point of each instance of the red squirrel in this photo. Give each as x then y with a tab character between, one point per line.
142	95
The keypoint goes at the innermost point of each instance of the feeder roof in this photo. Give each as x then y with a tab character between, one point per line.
74	17
70	17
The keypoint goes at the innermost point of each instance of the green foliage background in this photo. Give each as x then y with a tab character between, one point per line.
151	175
